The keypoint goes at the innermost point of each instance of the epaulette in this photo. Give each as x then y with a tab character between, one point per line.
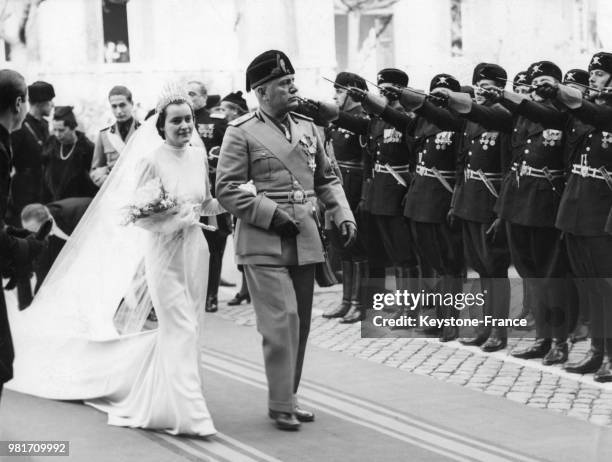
242	119
301	116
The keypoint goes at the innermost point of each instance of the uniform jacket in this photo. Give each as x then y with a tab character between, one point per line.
386	144
254	148
107	149
527	200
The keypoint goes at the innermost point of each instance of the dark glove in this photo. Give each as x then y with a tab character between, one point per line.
547	90
392	93
440	100
348	230
357	94
308	107
492	94
283	224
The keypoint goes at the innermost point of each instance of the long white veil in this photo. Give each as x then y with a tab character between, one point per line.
71	320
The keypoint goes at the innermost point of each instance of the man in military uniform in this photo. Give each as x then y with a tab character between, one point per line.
276	237
17	253
112	140
211	128
27	144
387	173
348	150
481	161
586	201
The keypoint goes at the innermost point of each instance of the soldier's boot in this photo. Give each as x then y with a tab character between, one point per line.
347	285
406	279
449	333
604	373
591	362
24	293
357	310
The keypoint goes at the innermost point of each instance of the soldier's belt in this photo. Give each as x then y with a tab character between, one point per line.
590	172
528	170
486	178
379	168
290	197
441	175
349	164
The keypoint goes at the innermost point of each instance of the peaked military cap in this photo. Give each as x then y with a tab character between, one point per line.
602	61
541	68
40	91
393	76
269	65
522	78
348	79
237	99
489	71
445	81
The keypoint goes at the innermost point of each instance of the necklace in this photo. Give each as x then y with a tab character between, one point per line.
69	152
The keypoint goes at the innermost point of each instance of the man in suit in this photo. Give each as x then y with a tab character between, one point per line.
16	253
112	140
65	215
277	239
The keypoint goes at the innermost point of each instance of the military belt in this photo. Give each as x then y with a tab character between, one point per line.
297	196
379	168
349	164
486	178
590	172
435	173
528	170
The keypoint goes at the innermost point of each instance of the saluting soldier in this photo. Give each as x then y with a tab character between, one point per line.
391	161
112	140
482	159
348	149
277	237
586	202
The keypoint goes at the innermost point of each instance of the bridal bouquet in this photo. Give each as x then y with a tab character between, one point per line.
152	201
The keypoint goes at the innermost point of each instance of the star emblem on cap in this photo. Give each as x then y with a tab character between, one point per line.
281	64
521	78
442	80
536	68
596	60
570	76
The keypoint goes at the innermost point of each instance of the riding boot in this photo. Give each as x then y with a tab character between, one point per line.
357	310
347	285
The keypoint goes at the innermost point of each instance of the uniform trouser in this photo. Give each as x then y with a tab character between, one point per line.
396	237
216	246
282	298
489	256
591	261
539	254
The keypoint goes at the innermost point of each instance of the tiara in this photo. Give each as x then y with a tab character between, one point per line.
171	92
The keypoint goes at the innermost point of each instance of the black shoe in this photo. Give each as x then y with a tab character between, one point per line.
284	420
355	314
538	350
474	341
591	363
224	283
449	334
604	373
557	354
211	304
303	415
494	343
238	299
338	311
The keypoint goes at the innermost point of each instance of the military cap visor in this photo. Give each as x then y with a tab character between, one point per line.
40	91
541	68
445	81
392	76
348	79
601	61
268	66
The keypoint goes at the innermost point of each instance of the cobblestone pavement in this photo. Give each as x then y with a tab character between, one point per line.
499	374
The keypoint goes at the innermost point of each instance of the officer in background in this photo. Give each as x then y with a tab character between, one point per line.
277	237
112	140
26	183
348	150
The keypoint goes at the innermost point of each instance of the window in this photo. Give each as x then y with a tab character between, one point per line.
115	27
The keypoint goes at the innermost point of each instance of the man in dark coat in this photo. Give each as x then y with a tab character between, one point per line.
15	253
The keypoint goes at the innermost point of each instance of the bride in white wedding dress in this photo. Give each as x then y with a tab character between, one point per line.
67	346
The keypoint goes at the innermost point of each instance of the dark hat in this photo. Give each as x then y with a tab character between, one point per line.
348	79
488	71
267	66
65	113
212	101
579	76
602	61
522	78
541	68
237	99
445	81
393	76
40	91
